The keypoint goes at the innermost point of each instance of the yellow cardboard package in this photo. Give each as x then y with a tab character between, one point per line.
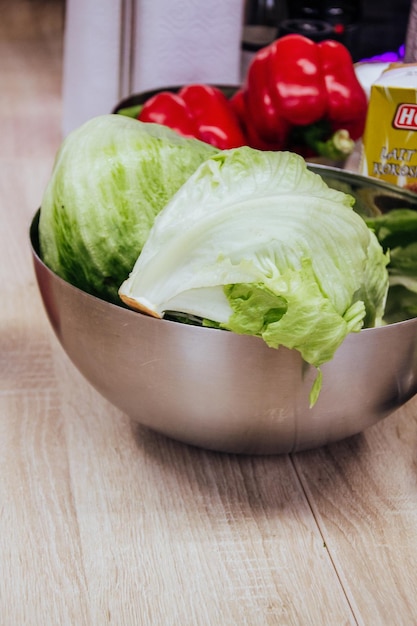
389	149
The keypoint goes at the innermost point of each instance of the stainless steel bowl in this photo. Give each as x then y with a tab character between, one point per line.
228	392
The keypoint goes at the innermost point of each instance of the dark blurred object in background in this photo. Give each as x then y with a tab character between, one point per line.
411	37
366	27
261	19
383	26
343	20
260	27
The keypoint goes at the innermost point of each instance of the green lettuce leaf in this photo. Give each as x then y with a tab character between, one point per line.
397	228
110	179
397	233
258	244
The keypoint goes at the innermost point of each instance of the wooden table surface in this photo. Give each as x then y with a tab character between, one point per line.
103	522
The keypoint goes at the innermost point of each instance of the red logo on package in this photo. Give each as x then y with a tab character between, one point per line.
406	117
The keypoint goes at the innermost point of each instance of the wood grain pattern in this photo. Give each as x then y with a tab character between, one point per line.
103	522
364	495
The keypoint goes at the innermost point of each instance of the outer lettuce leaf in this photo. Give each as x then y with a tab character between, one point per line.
258	244
258	310
110	179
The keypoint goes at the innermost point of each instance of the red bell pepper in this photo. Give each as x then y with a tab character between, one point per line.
297	87
217	122
294	83
253	138
199	111
263	114
168	109
347	103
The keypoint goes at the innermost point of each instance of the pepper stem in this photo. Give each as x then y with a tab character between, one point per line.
338	147
319	138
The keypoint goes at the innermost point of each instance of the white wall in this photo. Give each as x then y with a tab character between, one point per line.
113	48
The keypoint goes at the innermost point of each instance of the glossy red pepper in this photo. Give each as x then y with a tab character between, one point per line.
347	103
295	82
297	87
199	111
216	120
253	138
168	109
263	114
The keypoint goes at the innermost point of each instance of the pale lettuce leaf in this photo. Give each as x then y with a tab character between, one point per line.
258	244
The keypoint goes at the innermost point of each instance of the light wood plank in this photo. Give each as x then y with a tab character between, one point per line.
363	493
104	522
209	538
